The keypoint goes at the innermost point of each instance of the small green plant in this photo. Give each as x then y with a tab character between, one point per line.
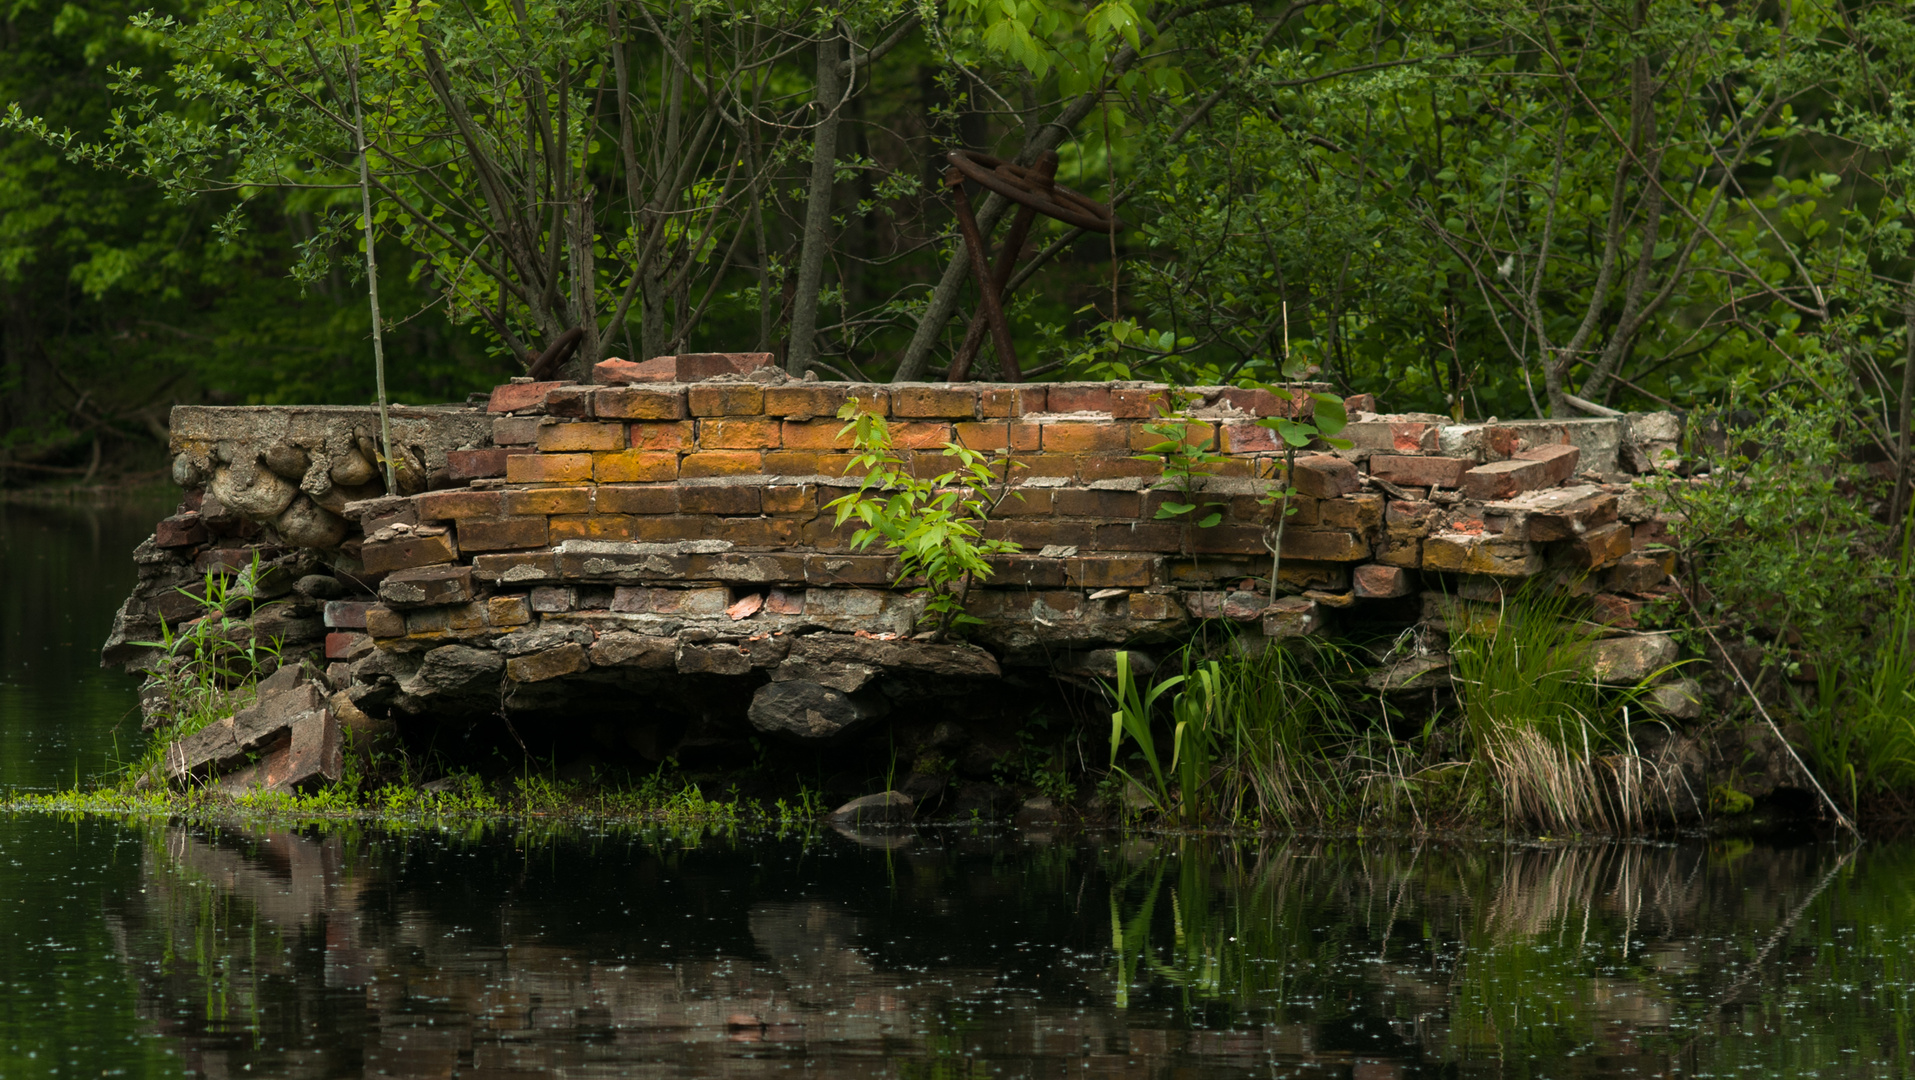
1132	720
1327	417
1186	464
934	525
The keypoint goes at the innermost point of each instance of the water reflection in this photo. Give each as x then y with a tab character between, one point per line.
651	954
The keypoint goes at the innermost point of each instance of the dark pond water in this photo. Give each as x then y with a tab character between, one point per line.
160	948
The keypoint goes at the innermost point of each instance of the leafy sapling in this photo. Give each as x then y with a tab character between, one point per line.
935	526
1186	464
1327	417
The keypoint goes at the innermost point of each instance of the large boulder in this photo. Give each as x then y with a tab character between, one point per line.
809	711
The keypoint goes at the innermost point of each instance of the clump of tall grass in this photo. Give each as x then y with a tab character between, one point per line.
1555	744
1862	722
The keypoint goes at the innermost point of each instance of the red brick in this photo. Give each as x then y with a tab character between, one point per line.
1037	535
502	534
1325	476
1088	502
592	527
1112	572
516	430
1105	467
695	367
1357	403
341	644
564	437
933	402
728	499
721	463
1374	581
406	552
726	399
1011	401
1248	438
1409	437
547	468
1140	536
1505	479
1599	547
1617	611
919	435
1197	435
634	467
793	463
804	401
661	369
1263	403
513	397
453	505
467	465
815	435
1559	461
635	403
1078	397
667	528
180	530
665	436
553	500
753	434
569	401
1076	438
1420	471
757	532
999	435
636	499
1133	403
1569	521
1026	502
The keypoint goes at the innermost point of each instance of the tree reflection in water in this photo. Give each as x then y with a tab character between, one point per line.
496	953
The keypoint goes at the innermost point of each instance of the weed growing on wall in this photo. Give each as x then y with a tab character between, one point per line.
935	525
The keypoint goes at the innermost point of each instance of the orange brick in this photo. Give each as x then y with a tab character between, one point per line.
815	435
1197	435
635	467
637	499
721	463
1101	467
753	434
919	435
677	436
806	400
835	464
997	401
998	436
456	504
727	399
792	463
1077	438
791	499
934	401
503	534
1064	465
554	500
1136	403
638	403
547	468
561	437
675	527
1250	439
592	527
1079	397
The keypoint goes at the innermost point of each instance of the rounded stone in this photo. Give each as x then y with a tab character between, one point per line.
305	524
188	471
286	460
247	489
352	470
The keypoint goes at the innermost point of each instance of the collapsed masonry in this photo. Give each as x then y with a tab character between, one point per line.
652	565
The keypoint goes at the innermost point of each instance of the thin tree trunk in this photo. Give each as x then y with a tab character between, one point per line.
1904	468
817	235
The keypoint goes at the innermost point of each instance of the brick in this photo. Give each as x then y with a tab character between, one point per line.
1027	572
554	438
804	401
661	369
932	402
569	401
383	622
553	500
564	527
1599	547
427	585
815	435
632	599
1504	479
731	499
554	599
1134	403
1246	438
850	569
1232	540
1373	581
1037	535
180	530
1401	545
706	463
346	644
502	534
548	468
636	499
1357	403
1086	502
1292	617
1027	502
634	467
510	610
1152	607
637	403
1197	435
1324	545
757	433
695	367
1420	471
675	437
517	567
1470	553
1361	512
1325	476
794	463
726	399
1638	573
758	568
799	499
513	397
453	505
694	603
1092	467
1075	438
1137	536
1112	572
758	532
999	435
567	659
919	435
1559	461
1011	401
347	614
515	430
464	466
1263	403
1078	397
1567	522
668	528
1617	611
407	552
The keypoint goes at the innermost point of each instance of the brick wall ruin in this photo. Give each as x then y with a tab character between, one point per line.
656	560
